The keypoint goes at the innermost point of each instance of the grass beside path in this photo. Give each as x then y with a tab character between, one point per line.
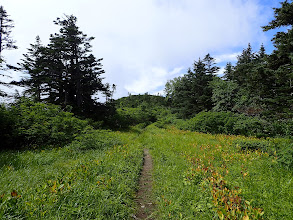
202	176
70	183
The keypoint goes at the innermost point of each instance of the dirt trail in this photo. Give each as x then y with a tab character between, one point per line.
144	195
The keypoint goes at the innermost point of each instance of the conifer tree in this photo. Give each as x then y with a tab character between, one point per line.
281	60
65	72
191	93
32	63
6	24
6	42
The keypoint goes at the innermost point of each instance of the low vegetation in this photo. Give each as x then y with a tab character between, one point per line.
203	176
238	124
95	177
27	123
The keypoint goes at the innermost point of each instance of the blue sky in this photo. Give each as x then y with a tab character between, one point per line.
144	43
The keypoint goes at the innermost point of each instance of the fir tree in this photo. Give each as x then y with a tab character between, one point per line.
192	93
32	63
65	72
6	24
6	42
281	60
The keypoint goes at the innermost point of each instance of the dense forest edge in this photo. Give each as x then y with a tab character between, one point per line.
59	121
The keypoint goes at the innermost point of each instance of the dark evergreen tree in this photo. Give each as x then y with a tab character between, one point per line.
244	65
6	42
224	91
229	71
65	72
6	24
79	75
281	60
202	74
33	64
251	76
191	93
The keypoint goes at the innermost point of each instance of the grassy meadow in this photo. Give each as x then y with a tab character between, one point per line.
203	176
72	182
195	176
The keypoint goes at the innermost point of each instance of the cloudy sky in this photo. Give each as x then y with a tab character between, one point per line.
144	43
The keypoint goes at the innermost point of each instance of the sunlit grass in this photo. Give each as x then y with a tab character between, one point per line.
196	176
68	183
202	176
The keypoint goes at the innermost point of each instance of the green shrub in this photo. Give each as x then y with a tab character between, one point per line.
282	127
250	126
35	124
284	151
41	123
231	123
279	147
95	139
255	144
182	124
164	117
127	116
285	156
7	127
210	122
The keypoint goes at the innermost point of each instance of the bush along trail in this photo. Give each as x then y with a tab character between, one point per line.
181	175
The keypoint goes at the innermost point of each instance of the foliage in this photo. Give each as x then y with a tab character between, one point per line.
95	139
238	124
210	122
139	109
7	127
285	155
244	87
224	94
255	144
250	126
134	116
280	148
146	100
39	124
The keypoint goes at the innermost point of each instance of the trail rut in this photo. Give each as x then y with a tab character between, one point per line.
144	200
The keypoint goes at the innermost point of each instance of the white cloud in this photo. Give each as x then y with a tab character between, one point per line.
221	71
227	57
144	43
152	79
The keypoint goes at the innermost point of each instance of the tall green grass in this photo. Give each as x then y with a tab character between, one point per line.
90	179
202	176
196	176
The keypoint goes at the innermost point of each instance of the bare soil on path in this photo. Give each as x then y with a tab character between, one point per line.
144	200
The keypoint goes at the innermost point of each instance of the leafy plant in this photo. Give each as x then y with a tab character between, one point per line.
95	139
38	124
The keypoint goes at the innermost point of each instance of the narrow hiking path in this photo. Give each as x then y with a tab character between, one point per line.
145	205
